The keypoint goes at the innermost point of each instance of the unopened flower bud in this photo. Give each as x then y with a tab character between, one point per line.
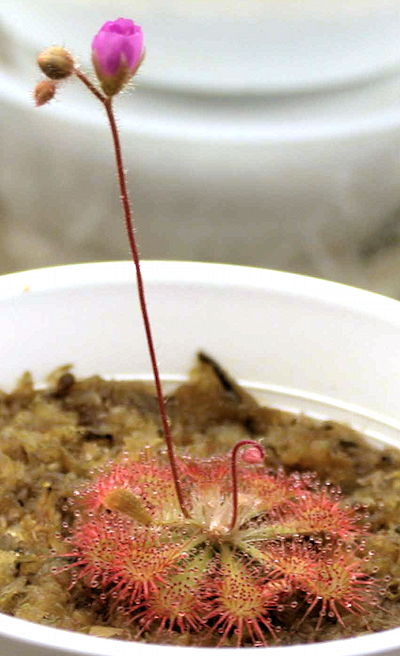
252	455
44	91
56	63
117	52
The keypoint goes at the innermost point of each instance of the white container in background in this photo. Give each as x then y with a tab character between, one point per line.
230	46
299	343
307	183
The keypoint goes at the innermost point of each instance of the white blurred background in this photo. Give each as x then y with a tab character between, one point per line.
264	132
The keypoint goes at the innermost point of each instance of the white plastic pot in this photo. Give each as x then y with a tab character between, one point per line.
231	46
299	343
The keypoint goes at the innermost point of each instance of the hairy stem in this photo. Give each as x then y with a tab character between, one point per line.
234	474
89	85
107	102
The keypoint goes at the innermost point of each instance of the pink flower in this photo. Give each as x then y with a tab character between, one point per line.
117	52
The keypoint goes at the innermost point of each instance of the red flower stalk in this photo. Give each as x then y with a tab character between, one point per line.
117	52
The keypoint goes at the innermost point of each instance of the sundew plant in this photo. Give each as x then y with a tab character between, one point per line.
216	549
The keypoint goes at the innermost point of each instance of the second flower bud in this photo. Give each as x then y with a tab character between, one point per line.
56	63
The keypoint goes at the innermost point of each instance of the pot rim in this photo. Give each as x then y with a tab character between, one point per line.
186	272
